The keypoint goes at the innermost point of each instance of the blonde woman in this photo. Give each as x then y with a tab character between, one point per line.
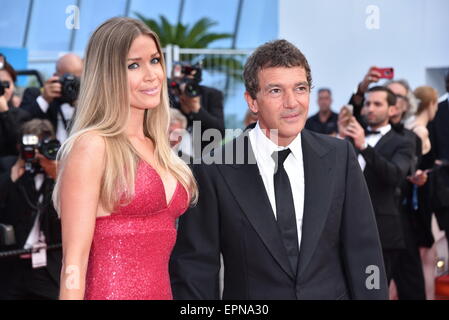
120	188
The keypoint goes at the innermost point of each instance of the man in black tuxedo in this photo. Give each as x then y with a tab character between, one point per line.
50	104
26	205
288	209
385	157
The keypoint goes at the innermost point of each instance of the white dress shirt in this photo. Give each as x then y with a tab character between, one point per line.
372	140
67	111
263	148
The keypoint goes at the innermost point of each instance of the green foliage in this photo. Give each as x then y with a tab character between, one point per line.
184	35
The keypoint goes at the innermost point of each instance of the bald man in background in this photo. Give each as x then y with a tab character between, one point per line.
51	102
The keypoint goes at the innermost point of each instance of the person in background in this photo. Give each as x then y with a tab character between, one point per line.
53	103
11	117
26	206
180	139
325	121
385	157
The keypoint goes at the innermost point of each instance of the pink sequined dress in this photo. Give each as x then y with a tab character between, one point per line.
131	248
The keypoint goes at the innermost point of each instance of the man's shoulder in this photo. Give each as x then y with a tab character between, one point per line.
32	92
324	139
443	111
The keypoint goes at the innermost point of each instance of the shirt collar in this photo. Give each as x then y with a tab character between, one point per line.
383	130
266	147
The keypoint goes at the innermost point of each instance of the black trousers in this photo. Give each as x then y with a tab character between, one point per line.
391	260
408	275
19	281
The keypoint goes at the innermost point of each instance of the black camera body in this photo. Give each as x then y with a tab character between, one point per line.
3	85
70	86
30	144
186	79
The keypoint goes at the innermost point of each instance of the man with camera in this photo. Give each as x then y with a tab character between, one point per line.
202	106
28	220
56	101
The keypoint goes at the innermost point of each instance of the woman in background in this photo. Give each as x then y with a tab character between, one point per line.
120	187
421	212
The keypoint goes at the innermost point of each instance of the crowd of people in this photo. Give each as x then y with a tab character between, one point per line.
107	208
400	136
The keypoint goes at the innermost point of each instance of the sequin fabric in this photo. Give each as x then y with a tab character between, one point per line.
131	248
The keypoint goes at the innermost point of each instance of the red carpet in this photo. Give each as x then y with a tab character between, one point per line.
442	288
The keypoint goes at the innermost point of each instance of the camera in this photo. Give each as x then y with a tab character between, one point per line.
30	144
70	86
186	79
3	85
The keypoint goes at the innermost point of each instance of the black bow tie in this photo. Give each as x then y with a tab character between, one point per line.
369	132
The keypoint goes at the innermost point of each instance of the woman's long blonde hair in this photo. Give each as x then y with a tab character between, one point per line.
104	108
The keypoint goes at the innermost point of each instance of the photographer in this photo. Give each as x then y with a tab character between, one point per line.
57	100
10	117
28	216
197	103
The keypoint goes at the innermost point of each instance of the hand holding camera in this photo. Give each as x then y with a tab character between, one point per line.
189	104
355	131
344	118
185	85
52	89
39	155
49	166
63	88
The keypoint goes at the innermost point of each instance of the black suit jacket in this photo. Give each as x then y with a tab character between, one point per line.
439	132
234	217
15	211
387	165
30	104
211	114
10	124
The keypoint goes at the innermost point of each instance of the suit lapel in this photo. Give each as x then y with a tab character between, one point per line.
246	185
384	140
318	183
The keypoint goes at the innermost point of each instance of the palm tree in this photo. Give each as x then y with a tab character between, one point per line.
197	36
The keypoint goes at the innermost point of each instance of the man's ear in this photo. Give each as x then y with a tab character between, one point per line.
252	103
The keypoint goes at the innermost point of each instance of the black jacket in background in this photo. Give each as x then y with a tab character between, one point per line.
16	211
387	165
211	114
10	124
